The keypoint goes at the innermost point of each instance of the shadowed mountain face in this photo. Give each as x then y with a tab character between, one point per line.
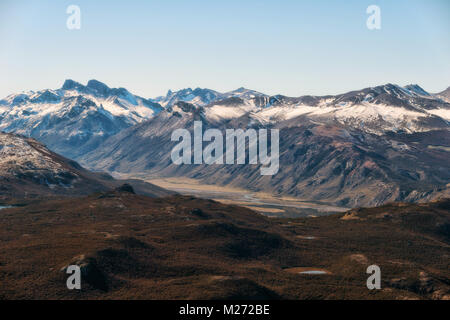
28	170
134	247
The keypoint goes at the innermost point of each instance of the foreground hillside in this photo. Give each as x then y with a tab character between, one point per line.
135	247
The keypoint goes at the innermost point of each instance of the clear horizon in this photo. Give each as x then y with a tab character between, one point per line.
286	47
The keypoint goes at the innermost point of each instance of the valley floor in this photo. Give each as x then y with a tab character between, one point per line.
263	202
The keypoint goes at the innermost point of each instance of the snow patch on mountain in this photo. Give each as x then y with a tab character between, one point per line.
443	113
19	157
222	112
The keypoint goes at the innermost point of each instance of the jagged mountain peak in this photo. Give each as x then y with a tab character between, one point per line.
197	96
244	93
98	87
389	88
388	94
415	88
243	90
70	84
94	87
205	96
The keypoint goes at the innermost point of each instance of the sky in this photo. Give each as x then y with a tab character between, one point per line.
289	47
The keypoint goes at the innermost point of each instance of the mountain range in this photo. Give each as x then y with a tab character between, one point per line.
364	147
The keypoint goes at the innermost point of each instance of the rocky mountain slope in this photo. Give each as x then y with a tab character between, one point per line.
332	153
28	170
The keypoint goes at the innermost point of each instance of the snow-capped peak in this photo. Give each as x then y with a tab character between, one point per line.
72	85
75	112
198	96
415	88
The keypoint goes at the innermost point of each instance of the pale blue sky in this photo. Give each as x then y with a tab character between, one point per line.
287	47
